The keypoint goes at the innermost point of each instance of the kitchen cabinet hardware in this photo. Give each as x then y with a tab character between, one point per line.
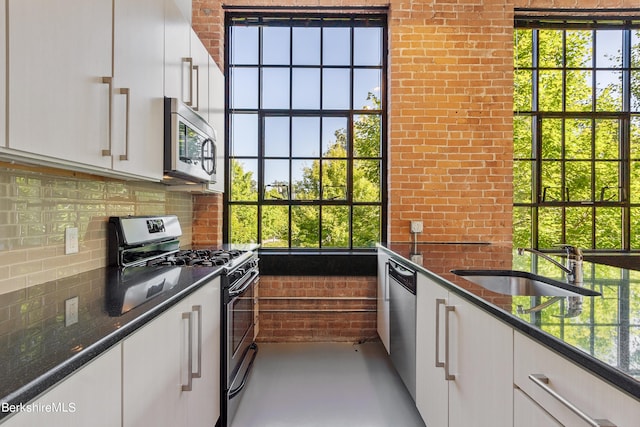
196	106
189	61
198	309
447	374
189	318
439	302
126	93
542	381
109	82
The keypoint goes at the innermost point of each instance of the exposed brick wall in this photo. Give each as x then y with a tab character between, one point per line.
311	308
207	220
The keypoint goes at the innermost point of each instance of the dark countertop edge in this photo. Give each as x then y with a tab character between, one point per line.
44	382
611	375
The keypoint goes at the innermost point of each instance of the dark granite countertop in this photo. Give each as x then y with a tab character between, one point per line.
37	350
604	338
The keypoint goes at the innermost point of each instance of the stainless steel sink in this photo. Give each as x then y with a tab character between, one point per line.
511	282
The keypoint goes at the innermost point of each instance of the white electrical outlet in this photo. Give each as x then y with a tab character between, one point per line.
416	226
71	241
71	311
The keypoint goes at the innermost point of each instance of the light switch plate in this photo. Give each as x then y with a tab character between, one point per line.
71	311
416	226
71	240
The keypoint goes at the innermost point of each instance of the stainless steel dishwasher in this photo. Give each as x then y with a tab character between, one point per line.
402	322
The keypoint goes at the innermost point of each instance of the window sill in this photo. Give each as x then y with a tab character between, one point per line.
305	263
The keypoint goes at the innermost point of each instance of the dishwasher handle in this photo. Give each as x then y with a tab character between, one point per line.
404	276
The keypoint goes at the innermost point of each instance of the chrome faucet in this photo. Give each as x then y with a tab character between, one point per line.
574	262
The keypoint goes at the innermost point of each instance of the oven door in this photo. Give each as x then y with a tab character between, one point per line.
241	350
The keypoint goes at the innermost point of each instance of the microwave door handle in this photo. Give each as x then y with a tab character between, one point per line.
205	163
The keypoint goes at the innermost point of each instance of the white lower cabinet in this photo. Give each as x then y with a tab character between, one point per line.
527	413
167	380
464	361
89	397
562	384
383	299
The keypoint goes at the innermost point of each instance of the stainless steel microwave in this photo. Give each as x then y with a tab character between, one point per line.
189	145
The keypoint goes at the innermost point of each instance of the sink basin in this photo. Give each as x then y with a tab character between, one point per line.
511	282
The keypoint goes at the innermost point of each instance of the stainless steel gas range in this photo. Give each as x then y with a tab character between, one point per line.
147	251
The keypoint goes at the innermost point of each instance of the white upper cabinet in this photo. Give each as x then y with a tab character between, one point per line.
137	140
3	72
178	64
200	77
59	56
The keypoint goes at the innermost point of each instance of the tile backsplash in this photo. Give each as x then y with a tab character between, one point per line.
36	208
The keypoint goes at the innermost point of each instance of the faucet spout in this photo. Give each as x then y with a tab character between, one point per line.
574	262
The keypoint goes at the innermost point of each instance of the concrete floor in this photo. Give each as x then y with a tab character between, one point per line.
325	384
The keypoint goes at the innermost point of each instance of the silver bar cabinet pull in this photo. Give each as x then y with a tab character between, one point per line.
189	61
439	302
542	381
189	385
447	375
126	92
198	309
109	82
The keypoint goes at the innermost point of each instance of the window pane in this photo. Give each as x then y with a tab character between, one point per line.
366	181
275	45
276	136
577	138
635	93
635	186
366	89
522	181
305	137
550	90
275	88
334	136
578	181
244	224
608	90
335	226
244	135
276	179
579	47
336	89
305	226
244	45
550	48
552	139
635	226
522	137
336	46
367	46
550	225
522	90
244	88
275	226
244	184
578	95
334	180
635	137
608	228
367	136
522	227
366	226
306	88
607	181
306	179
607	145
552	190
608	48
306	46
579	227
522	42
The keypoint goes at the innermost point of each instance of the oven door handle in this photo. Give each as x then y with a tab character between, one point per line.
245	285
234	392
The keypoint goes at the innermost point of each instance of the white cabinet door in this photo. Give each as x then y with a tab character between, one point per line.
383	299
59	53
154	369
432	390
3	73
203	407
177	54
137	142
527	413
589	394
482	363
217	120
89	397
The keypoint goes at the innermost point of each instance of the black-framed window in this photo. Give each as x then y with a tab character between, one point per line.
577	133
306	130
